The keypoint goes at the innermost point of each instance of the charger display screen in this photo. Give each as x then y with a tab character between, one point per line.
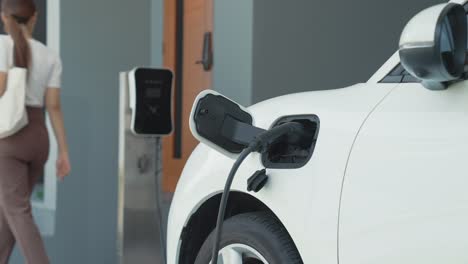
153	92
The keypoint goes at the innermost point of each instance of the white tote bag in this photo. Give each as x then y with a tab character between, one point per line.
13	116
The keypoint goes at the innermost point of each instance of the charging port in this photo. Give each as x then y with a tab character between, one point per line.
293	151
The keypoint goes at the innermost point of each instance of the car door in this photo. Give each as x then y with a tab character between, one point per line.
405	192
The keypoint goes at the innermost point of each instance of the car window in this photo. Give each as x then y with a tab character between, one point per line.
399	75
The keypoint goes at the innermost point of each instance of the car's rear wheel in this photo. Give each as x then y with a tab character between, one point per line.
253	238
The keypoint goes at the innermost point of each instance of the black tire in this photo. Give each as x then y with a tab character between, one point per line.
260	231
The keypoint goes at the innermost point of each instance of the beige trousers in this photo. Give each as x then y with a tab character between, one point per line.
22	159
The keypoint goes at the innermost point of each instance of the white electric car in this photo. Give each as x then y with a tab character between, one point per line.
383	180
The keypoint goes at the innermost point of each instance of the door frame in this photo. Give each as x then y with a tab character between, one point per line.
174	33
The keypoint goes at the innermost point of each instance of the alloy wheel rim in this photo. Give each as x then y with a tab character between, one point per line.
240	254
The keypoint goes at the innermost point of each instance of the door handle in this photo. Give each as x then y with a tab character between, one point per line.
207	54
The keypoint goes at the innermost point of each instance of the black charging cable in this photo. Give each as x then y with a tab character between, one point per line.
260	144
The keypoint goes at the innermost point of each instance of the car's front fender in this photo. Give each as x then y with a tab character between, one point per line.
306	200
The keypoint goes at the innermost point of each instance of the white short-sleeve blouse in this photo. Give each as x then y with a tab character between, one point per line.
44	73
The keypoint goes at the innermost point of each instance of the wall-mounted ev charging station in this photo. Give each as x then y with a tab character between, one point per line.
150	93
145	115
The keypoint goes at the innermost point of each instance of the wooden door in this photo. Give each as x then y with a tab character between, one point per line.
197	17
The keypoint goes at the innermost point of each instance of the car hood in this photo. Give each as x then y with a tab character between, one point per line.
357	98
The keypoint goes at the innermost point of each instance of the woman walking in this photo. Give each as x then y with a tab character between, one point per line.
23	155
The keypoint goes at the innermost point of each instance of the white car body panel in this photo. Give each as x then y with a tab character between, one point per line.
306	200
461	2
408	201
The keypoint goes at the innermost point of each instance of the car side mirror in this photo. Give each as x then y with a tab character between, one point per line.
221	123
433	45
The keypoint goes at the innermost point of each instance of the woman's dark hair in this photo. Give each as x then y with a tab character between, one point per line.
20	13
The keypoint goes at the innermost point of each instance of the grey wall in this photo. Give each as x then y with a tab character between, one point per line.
233	41
304	45
157	32
98	40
